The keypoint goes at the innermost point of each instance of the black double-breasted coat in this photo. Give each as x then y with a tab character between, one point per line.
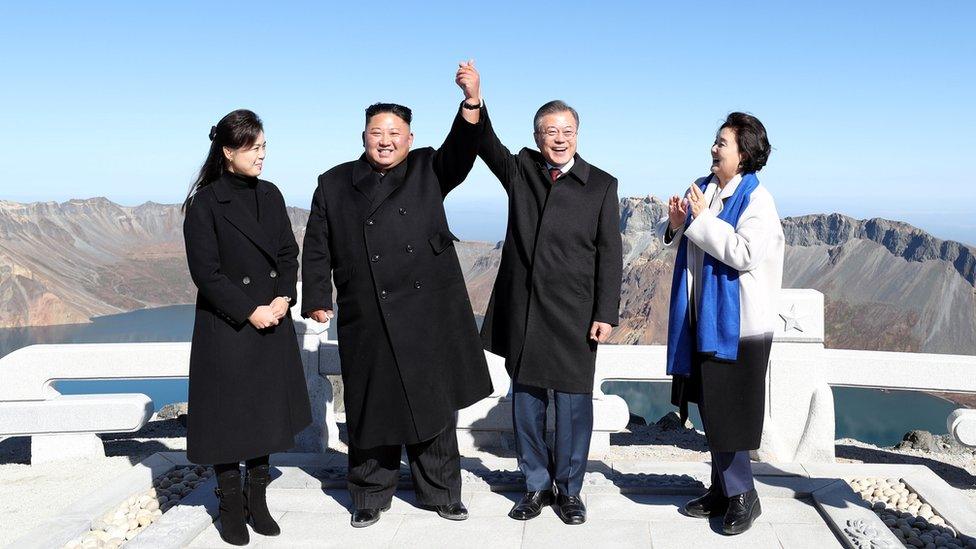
408	341
560	269
247	388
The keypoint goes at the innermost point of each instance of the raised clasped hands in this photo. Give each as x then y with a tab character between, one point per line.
469	81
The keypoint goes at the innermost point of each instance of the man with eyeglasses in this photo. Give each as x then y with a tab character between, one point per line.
555	299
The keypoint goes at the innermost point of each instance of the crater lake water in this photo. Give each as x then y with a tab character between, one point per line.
873	416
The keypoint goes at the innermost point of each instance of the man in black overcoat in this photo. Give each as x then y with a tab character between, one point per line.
555	299
408	341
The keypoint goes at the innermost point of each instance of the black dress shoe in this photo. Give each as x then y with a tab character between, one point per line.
712	504
571	509
452	511
743	509
362	518
531	505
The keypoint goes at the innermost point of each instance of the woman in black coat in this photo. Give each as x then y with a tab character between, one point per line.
248	396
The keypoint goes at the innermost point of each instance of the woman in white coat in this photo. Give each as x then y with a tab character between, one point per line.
728	272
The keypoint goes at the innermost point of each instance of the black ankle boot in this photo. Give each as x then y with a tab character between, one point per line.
256	503
233	529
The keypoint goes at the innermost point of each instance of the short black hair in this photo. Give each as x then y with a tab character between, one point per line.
399	110
750	136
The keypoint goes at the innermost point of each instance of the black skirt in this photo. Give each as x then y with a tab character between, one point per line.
731	395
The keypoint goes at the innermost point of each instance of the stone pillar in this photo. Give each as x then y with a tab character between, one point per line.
313	340
799	424
65	446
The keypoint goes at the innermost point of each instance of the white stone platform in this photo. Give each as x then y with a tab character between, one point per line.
631	504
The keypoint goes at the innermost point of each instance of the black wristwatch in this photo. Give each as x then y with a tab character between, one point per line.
466	105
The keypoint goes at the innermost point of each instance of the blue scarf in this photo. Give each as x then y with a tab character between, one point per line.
717	325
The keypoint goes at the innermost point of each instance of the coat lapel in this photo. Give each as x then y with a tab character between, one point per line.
390	183
239	217
361	174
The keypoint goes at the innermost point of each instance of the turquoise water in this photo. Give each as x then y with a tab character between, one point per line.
869	415
873	416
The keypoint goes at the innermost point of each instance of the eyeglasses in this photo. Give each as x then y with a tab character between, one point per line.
551	131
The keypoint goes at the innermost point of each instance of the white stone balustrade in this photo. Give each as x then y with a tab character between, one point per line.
799	422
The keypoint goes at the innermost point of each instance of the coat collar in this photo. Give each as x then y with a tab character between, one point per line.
362	170
580	169
224	193
241	218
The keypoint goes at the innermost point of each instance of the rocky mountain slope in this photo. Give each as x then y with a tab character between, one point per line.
888	285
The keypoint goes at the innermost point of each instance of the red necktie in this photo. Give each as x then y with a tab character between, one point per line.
554	173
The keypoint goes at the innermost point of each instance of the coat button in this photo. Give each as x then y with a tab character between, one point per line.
246	280
375	258
403	211
384	294
370	222
417	284
409	249
274	274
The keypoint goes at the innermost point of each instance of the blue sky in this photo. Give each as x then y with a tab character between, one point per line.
868	104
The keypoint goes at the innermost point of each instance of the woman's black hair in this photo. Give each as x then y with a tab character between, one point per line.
236	129
750	136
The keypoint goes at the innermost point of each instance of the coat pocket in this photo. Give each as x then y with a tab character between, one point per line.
441	240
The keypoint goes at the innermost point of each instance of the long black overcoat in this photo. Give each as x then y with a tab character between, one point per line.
408	341
560	269
248	395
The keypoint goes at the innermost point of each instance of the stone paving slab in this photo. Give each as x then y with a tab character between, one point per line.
430	530
631	504
318	530
548	531
211	535
677	535
805	536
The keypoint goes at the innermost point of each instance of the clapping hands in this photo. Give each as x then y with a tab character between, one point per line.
677	212
678	208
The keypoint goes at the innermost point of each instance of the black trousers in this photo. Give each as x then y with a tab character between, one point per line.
435	466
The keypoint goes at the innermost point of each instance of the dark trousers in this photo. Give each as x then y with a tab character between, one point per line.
565	462
732	471
435	466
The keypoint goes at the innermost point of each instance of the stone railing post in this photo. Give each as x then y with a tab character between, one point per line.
799	423
313	340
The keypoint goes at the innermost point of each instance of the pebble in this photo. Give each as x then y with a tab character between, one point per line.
910	519
137	512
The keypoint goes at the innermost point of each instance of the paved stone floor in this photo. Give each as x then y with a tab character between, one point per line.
631	504
313	511
320	518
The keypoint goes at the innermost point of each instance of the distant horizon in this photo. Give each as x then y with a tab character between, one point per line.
473	221
867	104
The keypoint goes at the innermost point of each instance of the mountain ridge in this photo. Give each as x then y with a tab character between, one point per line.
888	285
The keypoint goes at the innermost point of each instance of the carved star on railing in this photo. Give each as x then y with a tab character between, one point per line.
791	320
